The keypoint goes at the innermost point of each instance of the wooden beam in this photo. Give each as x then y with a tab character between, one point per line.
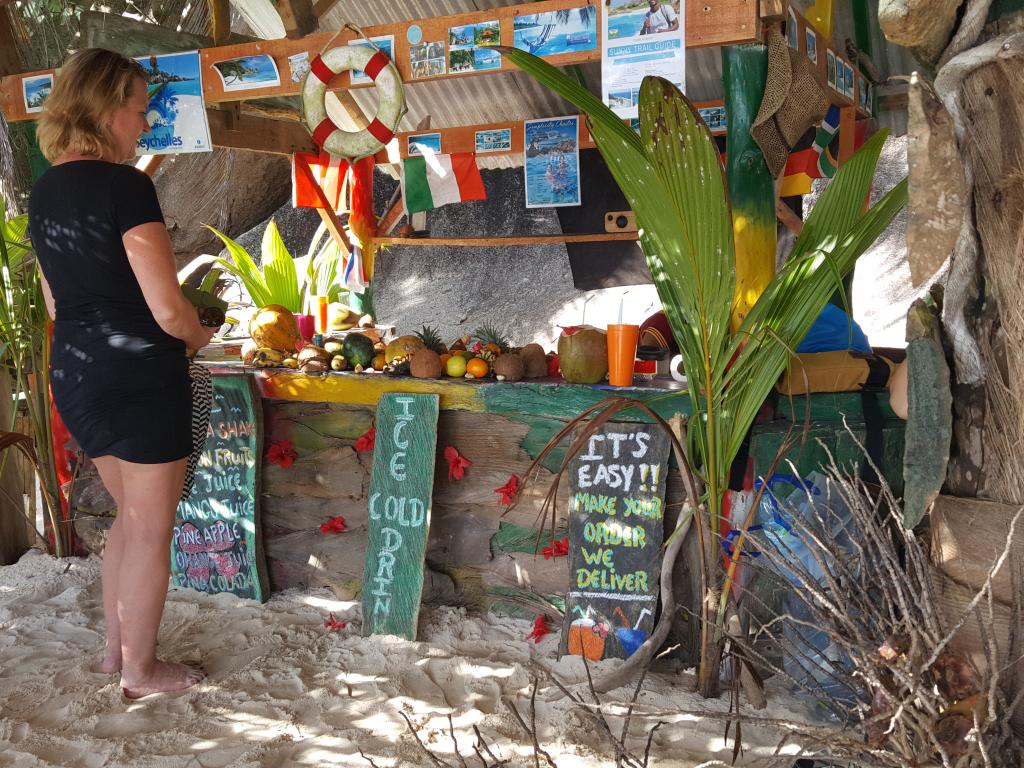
789	220
323	6
847	133
298	17
220	20
258	134
487	242
391	216
710	23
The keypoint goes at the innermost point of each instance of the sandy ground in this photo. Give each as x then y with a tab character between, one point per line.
284	690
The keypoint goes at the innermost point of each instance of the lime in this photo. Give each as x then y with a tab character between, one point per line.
456	366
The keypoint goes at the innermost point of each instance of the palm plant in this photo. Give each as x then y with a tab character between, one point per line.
24	350
671	174
276	279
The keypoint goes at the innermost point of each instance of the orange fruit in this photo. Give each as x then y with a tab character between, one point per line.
378	363
494	348
477	367
445	358
455	366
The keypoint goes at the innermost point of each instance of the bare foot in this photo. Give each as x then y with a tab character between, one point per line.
165	676
111	663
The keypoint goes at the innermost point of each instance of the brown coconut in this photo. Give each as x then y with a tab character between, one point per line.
313	352
535	362
583	354
425	364
509	367
314	365
274	326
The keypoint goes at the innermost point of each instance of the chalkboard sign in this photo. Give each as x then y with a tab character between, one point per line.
217	546
401	486
616	528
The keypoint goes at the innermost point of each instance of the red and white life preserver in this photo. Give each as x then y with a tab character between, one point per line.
391	100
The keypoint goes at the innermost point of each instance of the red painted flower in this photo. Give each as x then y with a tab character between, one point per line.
540	628
334	625
457	463
557	548
365	442
509	490
282	453
334	525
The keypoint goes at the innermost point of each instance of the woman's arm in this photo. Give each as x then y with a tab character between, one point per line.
47	295
152	260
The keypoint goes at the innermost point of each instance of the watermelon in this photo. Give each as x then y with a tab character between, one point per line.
358	350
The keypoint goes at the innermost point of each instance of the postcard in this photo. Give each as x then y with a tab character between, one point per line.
830	68
792	31
495	140
34	91
385	43
468	47
298	63
247	73
427	59
811	43
554	32
425	144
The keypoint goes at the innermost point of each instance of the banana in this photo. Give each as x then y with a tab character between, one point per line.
265	357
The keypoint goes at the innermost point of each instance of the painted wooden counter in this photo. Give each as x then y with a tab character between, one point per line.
479	551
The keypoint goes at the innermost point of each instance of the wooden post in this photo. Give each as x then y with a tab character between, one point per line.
9	63
751	188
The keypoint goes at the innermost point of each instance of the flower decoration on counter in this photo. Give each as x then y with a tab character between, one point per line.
557	548
282	453
457	463
333	624
540	628
508	491
366	441
334	525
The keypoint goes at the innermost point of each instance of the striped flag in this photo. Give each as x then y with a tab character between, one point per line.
432	181
326	171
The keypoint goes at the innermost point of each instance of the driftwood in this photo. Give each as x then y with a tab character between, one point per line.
923	26
937	184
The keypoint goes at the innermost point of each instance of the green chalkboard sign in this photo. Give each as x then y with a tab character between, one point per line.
616	528
401	487
217	545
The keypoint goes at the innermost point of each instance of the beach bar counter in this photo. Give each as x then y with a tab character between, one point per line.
283	492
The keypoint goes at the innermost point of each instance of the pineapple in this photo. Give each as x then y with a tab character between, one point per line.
431	339
489	336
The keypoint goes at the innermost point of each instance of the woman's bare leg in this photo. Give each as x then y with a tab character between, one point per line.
113	551
146	516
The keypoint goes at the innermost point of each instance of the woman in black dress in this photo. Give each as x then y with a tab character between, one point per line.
118	368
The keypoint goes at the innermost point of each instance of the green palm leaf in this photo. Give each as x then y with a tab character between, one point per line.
279	270
244	268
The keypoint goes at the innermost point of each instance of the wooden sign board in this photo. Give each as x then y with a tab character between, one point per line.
401	487
217	544
616	528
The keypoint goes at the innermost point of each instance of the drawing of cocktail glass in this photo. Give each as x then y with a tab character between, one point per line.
631	638
587	637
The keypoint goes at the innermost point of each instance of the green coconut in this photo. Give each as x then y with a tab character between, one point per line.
583	354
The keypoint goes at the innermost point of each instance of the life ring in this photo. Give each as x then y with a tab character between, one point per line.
391	101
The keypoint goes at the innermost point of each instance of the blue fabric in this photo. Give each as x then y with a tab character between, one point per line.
834	330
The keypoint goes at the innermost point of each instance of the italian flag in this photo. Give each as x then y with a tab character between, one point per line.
430	182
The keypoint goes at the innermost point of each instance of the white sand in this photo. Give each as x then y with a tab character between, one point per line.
283	690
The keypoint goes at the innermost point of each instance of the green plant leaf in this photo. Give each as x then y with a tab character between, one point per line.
244	268
279	270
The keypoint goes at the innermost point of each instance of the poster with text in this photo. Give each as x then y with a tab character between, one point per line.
552	162
176	114
640	38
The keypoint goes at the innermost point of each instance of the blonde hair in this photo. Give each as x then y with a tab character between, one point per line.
90	85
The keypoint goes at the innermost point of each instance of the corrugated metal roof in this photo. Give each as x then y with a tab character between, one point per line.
508	96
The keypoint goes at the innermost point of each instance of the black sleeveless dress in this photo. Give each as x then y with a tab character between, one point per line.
120	383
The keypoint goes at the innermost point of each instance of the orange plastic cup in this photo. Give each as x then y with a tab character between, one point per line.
622	340
321	314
